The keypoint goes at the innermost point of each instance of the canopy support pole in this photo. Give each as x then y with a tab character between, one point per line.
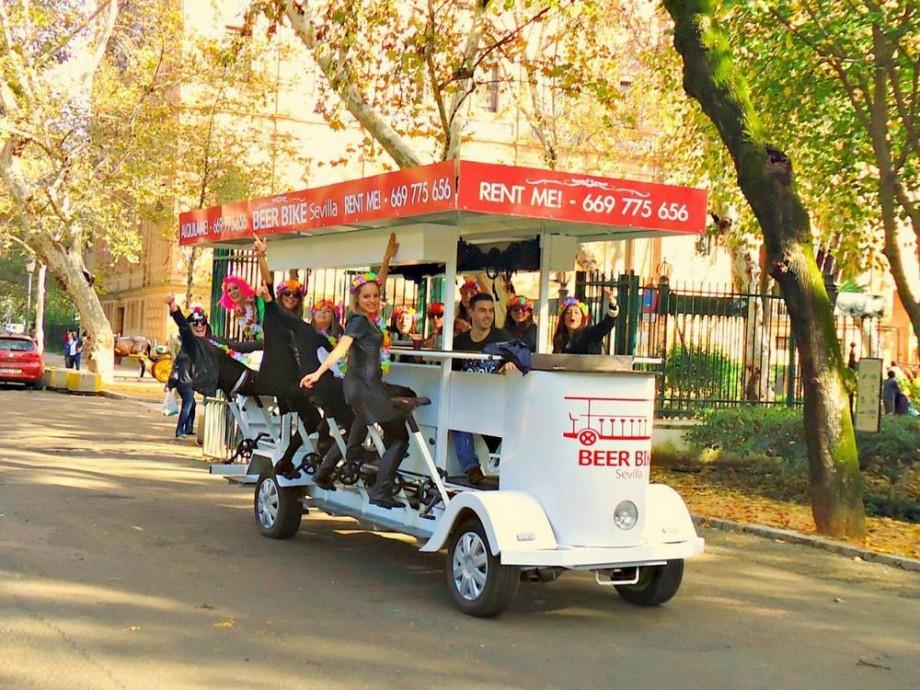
543	305
447	343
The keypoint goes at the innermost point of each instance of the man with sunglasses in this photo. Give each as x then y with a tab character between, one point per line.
211	364
435	339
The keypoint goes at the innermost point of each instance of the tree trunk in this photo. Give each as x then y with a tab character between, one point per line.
766	178
190	275
40	307
887	180
99	349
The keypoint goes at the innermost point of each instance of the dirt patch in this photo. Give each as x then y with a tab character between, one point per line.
745	495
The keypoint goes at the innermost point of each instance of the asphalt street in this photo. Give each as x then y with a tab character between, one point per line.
123	564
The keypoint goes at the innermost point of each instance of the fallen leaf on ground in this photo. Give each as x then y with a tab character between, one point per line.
226	623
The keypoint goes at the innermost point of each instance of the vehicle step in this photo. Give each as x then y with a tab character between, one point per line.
243	479
224	470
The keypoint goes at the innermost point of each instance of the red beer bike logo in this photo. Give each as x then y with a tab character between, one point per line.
610	422
608	419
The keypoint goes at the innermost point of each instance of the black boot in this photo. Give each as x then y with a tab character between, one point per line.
323	477
382	493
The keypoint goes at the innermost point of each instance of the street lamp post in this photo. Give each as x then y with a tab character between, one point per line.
30	269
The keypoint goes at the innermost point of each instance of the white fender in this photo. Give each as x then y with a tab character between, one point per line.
667	518
512	520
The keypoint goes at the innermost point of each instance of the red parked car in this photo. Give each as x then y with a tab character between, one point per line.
21	362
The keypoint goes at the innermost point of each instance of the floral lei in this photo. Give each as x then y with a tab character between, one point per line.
238	356
341	365
385	345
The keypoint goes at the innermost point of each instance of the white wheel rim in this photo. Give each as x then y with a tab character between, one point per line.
268	502
470	566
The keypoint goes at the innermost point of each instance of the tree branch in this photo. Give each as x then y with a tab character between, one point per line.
436	89
300	15
52	49
832	60
465	83
102	42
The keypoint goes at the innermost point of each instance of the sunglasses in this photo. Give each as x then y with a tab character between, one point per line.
289	293
519	307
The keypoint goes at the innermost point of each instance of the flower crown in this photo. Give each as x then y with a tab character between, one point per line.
197	314
436	309
363	279
573	302
520	302
292	285
324	304
399	311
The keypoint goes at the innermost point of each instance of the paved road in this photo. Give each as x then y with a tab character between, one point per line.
123	565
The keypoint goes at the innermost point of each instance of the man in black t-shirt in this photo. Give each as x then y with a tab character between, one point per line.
481	333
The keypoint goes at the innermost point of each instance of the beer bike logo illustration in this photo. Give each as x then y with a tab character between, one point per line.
610	432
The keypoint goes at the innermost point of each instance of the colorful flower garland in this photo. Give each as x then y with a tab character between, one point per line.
238	356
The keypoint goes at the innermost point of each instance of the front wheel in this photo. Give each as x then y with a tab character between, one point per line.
278	509
656	585
479	584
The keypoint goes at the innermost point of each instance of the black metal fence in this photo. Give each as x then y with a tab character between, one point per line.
718	347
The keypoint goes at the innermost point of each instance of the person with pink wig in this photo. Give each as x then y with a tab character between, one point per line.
240	299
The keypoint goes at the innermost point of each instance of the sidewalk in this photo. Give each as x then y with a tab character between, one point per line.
127	383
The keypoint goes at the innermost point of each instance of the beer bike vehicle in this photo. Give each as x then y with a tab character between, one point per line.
571	484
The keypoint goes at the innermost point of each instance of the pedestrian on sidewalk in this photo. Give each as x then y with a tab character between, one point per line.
73	346
180	380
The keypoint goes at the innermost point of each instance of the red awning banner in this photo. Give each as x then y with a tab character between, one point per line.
455	187
534	193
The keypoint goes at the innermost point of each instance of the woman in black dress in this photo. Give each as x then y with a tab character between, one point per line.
575	335
292	349
365	341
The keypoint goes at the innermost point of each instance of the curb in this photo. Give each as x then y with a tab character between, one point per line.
124	396
791	537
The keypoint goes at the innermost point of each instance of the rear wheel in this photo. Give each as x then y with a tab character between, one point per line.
161	369
479	584
278	509
37	385
656	585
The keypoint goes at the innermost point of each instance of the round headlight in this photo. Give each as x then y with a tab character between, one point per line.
626	515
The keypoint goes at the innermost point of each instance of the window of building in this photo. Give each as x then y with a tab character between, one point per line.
492	92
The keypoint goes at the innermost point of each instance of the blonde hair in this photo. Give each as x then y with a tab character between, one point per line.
353	302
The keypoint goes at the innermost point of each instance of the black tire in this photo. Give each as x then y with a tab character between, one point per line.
656	585
38	385
468	550
278	510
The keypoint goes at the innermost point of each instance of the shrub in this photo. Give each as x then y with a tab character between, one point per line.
774	435
701	375
897	441
775	432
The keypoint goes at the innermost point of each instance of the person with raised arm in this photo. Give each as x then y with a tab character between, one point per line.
575	335
292	349
365	342
212	365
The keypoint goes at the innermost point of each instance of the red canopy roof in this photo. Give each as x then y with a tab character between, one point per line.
451	192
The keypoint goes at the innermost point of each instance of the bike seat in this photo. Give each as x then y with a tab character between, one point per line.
408	404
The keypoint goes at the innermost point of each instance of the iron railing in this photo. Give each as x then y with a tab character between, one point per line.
719	347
